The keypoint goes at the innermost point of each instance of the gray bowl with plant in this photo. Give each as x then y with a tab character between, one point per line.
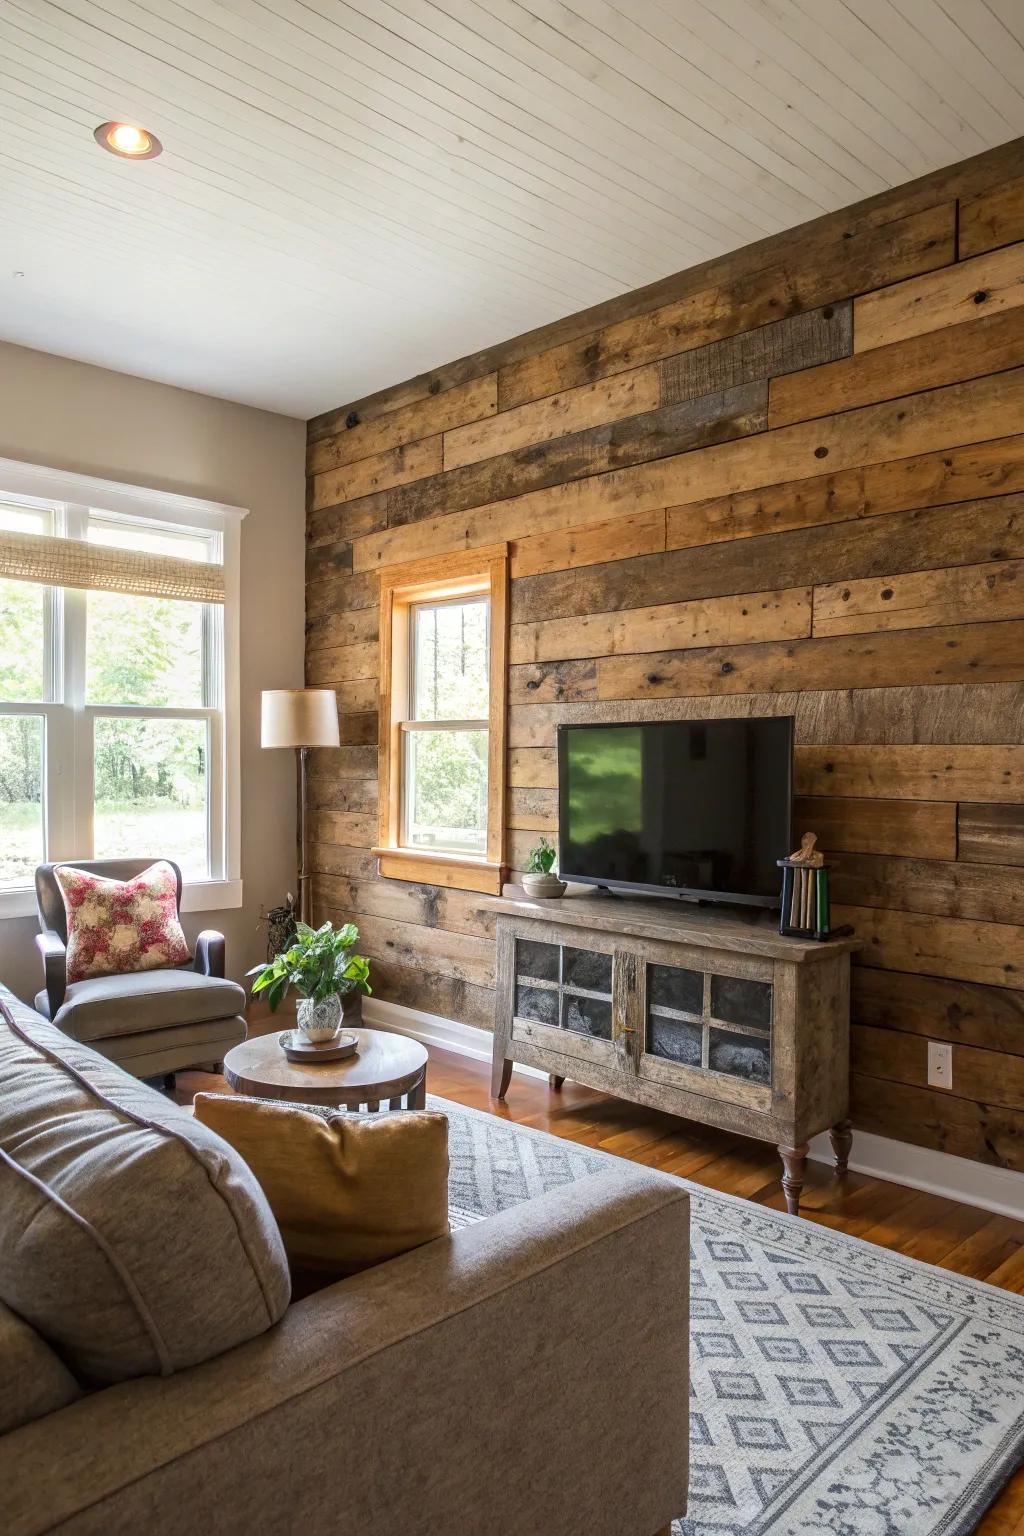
539	882
322	967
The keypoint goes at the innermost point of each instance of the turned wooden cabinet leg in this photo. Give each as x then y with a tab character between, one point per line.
841	1137
501	1076
555	1080
794	1163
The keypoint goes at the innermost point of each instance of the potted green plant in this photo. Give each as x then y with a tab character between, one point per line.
538	880
322	967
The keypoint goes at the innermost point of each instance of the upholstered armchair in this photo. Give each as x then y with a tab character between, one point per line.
151	1023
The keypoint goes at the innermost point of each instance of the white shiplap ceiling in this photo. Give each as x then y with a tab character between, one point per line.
352	191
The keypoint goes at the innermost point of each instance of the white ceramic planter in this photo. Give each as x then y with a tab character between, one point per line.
318	1021
543	887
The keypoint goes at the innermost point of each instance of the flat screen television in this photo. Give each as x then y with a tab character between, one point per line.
699	809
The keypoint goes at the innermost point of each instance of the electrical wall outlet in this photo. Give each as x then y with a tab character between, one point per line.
940	1064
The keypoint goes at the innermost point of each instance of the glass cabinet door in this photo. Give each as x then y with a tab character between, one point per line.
564	987
710	1023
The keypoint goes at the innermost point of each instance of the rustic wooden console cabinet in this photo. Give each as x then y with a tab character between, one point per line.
703	1012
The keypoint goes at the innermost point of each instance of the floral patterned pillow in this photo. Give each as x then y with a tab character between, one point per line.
116	926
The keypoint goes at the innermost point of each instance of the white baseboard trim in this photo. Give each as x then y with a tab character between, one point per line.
431	1029
999	1190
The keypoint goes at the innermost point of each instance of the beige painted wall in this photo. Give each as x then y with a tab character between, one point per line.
70	415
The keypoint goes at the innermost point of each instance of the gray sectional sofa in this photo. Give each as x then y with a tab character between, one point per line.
523	1376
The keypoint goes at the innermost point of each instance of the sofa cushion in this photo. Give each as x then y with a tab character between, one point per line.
131	1237
128	1005
33	1380
347	1191
116	926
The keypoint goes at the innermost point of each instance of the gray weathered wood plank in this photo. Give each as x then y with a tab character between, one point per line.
784	346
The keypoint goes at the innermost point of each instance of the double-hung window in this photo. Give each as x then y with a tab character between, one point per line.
443	668
118	682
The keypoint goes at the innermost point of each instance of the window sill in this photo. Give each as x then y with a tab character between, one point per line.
197	896
456	871
211	895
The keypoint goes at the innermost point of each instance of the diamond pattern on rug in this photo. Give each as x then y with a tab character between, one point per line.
835	1387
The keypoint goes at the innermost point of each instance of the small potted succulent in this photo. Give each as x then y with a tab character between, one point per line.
320	965
538	881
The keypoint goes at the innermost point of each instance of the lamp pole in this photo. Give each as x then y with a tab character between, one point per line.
301	718
305	898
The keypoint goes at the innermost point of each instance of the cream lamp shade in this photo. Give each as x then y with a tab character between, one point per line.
300	717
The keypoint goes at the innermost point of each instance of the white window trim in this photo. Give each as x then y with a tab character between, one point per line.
36	482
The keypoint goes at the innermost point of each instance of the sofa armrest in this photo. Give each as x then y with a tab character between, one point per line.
527	1373
209	957
55	968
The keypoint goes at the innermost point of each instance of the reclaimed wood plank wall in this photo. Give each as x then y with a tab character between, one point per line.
790	480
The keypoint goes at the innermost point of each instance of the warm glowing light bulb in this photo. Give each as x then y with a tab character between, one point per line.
129	142
128	139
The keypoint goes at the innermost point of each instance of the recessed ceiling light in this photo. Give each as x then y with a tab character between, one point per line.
127	141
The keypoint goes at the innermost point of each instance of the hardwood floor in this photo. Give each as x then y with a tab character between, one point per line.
943	1232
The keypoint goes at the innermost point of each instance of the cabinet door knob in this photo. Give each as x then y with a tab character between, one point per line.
627	1029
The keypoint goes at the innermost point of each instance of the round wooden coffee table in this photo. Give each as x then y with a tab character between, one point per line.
384	1069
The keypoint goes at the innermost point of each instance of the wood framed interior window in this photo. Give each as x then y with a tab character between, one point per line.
443	708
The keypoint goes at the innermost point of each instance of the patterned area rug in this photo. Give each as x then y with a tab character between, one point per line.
836	1387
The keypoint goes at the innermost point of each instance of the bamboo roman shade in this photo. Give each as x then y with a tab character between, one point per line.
58	562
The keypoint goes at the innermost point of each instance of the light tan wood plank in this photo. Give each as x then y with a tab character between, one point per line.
455	874
913	772
944	418
780	615
423	418
378	473
639	533
532	768
988	345
627	394
940	299
966	594
977	652
992	953
967	713
533	810
924	480
966	533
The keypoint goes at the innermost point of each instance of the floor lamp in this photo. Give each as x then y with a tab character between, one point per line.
300	718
